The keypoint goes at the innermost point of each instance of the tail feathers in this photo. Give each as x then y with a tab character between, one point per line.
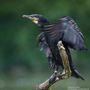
77	74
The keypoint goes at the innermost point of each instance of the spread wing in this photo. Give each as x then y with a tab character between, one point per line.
44	47
67	30
72	34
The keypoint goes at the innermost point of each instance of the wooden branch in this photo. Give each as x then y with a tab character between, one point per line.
65	61
44	86
57	76
49	82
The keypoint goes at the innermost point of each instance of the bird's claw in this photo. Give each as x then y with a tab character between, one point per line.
66	74
60	45
63	75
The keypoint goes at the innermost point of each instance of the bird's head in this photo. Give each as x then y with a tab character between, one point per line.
37	19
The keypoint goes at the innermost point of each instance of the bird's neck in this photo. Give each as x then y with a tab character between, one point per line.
47	28
43	24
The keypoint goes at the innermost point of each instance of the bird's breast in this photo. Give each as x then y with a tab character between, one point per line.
53	36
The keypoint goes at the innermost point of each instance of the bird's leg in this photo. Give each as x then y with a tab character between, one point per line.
67	71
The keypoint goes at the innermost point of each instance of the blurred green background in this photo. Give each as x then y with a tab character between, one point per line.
22	65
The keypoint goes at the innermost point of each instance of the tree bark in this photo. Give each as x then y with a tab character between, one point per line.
56	76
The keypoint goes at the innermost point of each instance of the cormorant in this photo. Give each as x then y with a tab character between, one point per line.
65	30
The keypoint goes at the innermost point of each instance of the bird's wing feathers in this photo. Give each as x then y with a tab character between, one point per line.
69	32
72	34
44	47
43	44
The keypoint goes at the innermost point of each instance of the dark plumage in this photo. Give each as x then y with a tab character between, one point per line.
66	30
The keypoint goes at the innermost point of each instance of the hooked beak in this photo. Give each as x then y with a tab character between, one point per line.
27	16
34	19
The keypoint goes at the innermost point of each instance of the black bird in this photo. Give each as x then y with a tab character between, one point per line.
66	30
